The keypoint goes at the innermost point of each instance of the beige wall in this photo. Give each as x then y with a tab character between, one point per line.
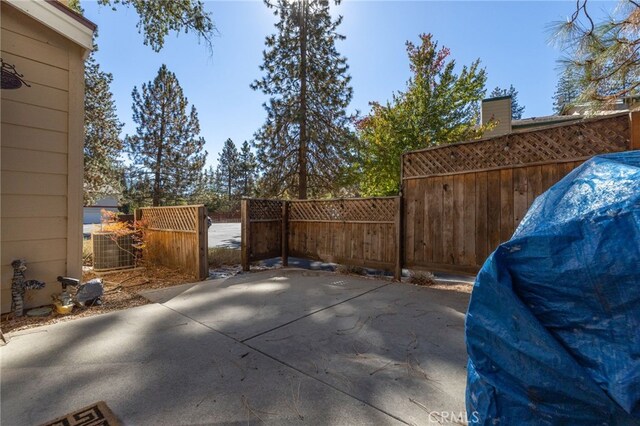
41	156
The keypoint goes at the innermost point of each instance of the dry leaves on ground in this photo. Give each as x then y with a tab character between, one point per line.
120	292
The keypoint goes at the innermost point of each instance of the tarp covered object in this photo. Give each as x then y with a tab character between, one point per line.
553	327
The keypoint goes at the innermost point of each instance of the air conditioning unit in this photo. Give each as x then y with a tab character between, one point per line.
111	251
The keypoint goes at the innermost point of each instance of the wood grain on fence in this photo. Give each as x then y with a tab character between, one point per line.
362	232
458	203
176	237
462	200
467	216
261	230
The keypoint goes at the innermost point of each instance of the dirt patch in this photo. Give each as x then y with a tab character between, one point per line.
223	256
453	286
120	292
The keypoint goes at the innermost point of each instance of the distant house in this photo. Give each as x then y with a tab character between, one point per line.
626	103
42	138
93	213
498	111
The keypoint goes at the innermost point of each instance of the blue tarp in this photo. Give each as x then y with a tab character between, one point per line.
553	326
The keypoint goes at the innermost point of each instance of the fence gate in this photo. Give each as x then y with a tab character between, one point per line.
176	237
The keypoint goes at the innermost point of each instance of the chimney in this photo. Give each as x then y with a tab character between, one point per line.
497	110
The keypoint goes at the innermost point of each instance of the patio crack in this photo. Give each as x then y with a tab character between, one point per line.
311	313
302	372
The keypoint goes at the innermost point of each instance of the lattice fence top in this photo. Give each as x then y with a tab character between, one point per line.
561	143
348	210
183	218
265	209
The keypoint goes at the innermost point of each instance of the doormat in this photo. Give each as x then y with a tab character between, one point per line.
97	414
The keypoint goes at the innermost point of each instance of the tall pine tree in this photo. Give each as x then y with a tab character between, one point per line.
516	109
166	148
246	170
303	145
228	169
102	143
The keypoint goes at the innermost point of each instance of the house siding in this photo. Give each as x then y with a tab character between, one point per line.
40	157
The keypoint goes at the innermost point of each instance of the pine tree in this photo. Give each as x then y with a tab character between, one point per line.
604	56
246	170
516	109
568	90
303	146
207	192
166	146
228	169
159	18
102	143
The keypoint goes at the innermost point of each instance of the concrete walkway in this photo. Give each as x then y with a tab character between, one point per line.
280	347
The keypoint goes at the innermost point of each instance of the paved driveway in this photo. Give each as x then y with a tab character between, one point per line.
220	234
224	235
279	347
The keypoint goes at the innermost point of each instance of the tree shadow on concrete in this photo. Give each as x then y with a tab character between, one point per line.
166	364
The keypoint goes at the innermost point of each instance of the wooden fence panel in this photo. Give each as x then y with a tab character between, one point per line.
261	230
462	200
176	237
467	216
458	203
363	232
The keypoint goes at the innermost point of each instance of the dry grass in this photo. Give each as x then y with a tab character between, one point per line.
351	270
422	278
120	292
87	252
222	256
453	286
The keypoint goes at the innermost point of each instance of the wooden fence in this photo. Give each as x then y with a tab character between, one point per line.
462	200
176	237
363	232
261	229
458	203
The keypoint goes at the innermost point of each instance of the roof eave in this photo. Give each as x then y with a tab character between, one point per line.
60	19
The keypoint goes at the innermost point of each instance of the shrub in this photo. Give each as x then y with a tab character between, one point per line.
219	256
87	253
351	270
422	278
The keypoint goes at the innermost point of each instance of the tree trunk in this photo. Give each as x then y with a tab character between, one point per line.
302	151
156	183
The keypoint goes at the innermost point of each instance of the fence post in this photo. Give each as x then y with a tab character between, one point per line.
634	126
398	219
244	234
285	234
203	245
137	215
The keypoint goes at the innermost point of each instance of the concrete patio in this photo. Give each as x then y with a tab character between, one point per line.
282	346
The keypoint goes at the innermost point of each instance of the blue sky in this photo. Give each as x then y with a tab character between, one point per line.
511	38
